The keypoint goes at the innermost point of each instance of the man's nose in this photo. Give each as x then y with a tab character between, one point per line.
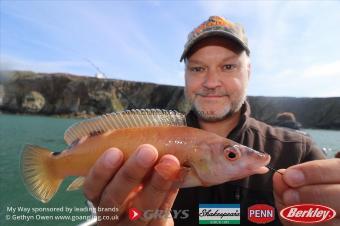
212	79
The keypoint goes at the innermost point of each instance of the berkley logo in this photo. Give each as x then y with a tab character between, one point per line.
261	213
308	213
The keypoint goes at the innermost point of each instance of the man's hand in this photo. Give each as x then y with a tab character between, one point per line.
316	182
112	183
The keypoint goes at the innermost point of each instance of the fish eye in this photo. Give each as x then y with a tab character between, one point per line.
232	153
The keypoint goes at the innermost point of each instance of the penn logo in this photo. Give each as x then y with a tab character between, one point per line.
261	213
308	213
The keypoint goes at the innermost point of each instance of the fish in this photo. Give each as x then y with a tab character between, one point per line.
206	158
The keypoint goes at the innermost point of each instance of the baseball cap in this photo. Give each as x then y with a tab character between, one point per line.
216	26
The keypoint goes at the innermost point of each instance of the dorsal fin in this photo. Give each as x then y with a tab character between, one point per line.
125	119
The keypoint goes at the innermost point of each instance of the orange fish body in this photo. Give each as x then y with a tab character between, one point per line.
178	141
208	158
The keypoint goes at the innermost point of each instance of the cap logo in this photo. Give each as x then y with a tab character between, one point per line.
216	25
214	21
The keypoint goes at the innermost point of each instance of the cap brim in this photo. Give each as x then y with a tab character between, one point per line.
207	34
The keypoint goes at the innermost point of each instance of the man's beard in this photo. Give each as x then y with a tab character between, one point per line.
226	112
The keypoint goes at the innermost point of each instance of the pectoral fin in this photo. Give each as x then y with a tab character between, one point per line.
191	179
76	184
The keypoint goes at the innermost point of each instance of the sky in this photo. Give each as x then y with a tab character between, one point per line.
295	45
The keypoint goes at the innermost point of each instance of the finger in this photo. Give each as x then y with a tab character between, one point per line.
158	187
101	173
129	176
168	168
279	185
167	206
313	172
325	194
156	190
283	196
170	199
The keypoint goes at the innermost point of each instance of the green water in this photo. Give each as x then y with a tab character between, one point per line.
16	131
327	139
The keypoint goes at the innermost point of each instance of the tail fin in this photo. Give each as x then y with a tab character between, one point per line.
37	173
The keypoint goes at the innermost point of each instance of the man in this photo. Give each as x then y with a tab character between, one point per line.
217	72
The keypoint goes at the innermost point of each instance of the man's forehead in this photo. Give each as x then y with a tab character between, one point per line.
216	41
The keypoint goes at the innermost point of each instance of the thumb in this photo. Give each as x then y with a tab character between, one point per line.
280	186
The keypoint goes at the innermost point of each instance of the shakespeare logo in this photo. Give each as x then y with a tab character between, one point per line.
219	213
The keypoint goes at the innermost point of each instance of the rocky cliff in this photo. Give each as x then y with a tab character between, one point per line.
65	94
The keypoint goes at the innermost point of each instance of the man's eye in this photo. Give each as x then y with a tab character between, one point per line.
196	69
228	67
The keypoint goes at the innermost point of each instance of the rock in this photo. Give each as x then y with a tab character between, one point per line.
288	120
2	94
79	96
321	113
104	102
337	155
33	102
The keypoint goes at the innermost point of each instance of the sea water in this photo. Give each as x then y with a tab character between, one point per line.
18	207
328	140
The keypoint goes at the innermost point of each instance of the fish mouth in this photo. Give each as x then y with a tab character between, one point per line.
251	151
261	157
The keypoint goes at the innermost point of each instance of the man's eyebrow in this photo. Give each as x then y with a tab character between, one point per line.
195	61
233	57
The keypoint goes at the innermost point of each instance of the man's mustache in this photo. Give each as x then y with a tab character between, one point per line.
212	92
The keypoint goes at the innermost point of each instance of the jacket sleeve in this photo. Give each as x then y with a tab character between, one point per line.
312	151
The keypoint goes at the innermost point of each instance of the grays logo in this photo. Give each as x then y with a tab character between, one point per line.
158	214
